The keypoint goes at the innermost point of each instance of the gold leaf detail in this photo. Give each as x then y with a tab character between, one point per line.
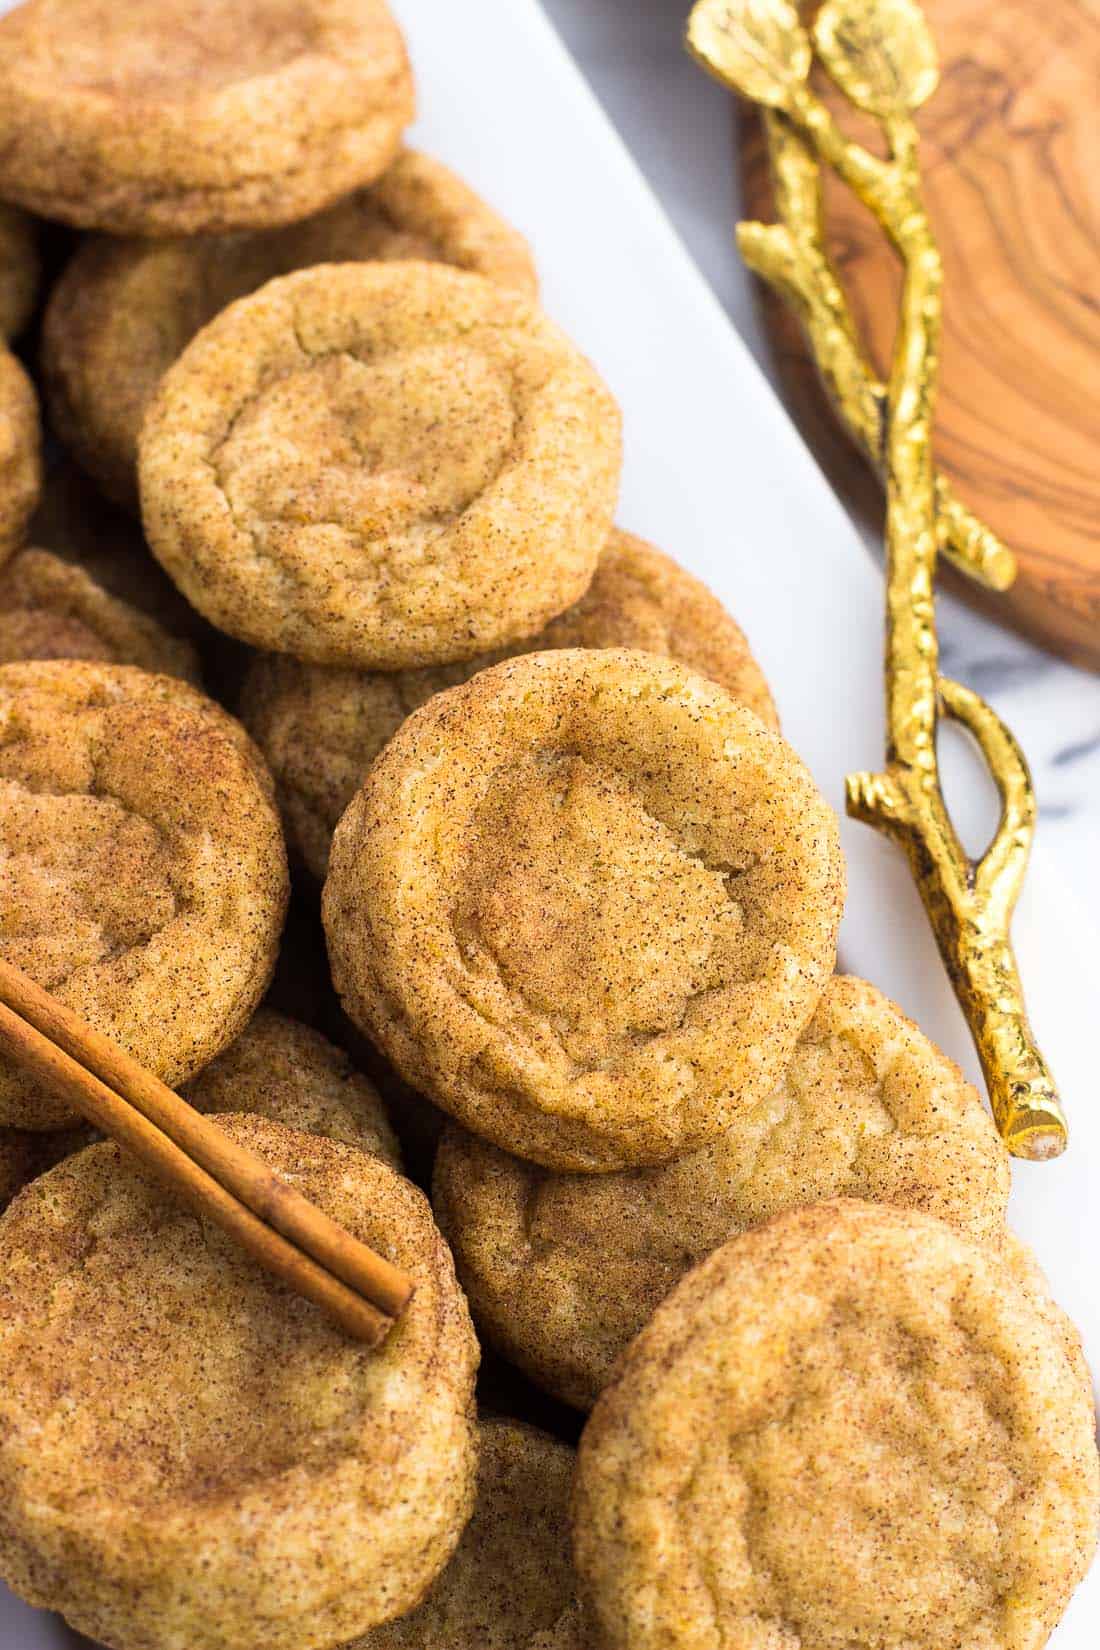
757	46
880	53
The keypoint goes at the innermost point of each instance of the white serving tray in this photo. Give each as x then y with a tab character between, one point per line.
716	475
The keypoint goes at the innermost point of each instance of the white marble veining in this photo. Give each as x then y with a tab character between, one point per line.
677	124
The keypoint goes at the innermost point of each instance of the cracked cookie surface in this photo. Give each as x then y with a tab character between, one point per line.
20	453
845	1427
586	902
284	1070
380	465
193	116
142	870
320	727
50	608
193	1455
562	1271
19	270
124	310
511	1578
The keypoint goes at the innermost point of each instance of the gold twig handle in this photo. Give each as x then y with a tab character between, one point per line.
970	905
880	54
792	257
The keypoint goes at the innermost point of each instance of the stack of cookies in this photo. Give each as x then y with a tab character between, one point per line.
559	884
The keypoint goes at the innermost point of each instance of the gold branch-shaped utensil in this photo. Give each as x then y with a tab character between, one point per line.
793	257
882	57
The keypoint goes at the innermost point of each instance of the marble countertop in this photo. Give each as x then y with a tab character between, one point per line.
677	124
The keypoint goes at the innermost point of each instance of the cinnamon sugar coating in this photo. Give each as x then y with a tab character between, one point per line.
142	871
380	465
510	1581
51	608
586	902
281	1069
277	1068
125	309
188	117
562	1271
192	1455
846	1427
320	727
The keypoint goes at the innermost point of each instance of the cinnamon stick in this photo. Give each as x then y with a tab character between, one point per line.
211	1172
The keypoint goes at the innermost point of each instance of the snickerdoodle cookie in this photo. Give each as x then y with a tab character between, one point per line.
561	1271
20	453
142	870
281	1069
847	1427
321	727
511	1578
124	309
1025	1271
167	117
192	1456
18	270
51	608
381	465
586	902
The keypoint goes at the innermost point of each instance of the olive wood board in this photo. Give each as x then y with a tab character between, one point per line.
1011	164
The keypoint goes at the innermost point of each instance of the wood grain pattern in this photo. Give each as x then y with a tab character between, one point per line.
1011	147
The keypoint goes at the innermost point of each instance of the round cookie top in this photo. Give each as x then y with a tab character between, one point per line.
284	1070
51	608
125	309
19	270
586	902
380	465
561	1271
511	1578
142	871
320	727
846	1427
20	453
192	116
190	1454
